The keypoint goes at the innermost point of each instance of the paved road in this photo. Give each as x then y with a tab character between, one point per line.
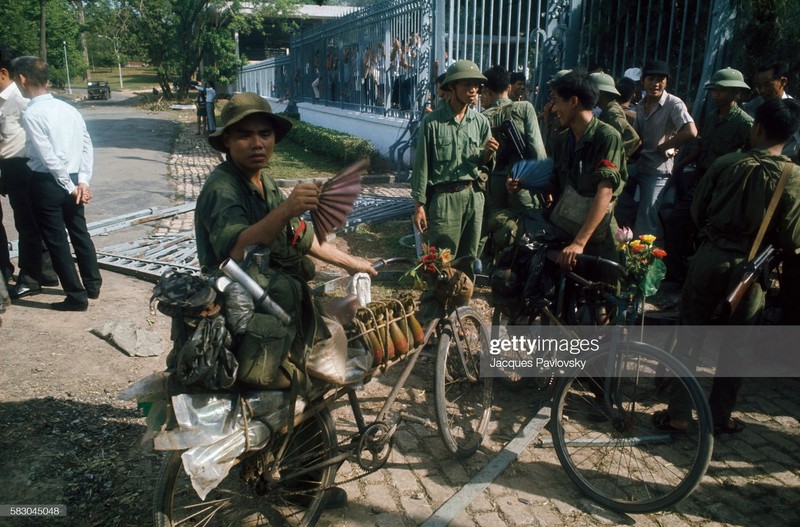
131	151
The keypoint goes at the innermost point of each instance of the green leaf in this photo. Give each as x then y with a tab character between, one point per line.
652	278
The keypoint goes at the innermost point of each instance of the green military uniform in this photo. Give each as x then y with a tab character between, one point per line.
227	205
723	135
502	209
597	156
614	115
728	208
448	163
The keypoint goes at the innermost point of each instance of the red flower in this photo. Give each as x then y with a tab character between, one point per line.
430	268
428	258
659	253
638	248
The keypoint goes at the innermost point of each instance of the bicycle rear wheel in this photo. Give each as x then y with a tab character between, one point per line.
463	397
261	490
604	435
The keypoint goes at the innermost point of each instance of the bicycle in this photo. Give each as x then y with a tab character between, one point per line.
285	482
602	414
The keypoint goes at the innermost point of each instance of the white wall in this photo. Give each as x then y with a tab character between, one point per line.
380	131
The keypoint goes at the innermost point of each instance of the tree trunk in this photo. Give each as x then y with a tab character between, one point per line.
42	31
82	21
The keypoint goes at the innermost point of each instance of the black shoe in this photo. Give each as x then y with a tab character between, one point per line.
49	282
70	304
21	291
337	498
93	295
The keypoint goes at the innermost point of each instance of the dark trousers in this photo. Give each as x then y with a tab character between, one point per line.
57	212
34	261
679	229
6	267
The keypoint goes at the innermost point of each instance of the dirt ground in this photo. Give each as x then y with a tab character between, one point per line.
65	438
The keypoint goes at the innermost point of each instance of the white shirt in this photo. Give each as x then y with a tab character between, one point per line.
12	104
58	141
211	95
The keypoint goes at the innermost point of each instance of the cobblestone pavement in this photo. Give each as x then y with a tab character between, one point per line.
753	479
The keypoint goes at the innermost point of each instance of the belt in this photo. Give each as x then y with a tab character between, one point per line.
458	186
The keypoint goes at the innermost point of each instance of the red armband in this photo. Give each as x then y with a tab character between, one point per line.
605	163
298	232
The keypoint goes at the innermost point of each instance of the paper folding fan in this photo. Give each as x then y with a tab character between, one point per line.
533	174
336	199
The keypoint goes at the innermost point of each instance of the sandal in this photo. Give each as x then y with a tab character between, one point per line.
731	426
663	423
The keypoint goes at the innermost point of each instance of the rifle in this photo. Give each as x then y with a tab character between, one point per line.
511	141
752	270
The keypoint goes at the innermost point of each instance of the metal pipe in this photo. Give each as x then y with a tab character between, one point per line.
262	299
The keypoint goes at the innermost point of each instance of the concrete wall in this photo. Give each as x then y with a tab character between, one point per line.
381	131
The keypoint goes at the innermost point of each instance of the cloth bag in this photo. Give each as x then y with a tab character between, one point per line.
571	211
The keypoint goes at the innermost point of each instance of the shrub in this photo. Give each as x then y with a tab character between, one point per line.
330	143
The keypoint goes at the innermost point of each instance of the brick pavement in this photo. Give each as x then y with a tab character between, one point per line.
753	479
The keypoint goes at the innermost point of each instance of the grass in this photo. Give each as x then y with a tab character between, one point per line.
135	79
292	161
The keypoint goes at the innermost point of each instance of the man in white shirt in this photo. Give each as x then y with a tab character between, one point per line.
771	81
60	154
211	102
35	267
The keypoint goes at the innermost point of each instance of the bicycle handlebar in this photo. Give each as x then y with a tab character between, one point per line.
553	255
383	262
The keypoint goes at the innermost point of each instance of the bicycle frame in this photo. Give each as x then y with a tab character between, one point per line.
346	447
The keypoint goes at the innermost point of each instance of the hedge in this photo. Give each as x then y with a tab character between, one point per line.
330	143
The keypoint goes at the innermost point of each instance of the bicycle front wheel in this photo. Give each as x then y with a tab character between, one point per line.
265	488
463	397
605	437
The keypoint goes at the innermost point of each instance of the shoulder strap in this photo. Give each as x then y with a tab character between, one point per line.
773	204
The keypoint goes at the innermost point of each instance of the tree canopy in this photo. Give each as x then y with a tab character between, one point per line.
179	38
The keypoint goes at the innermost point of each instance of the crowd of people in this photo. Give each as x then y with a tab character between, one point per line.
624	153
629	154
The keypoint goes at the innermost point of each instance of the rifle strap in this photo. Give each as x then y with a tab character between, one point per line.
773	204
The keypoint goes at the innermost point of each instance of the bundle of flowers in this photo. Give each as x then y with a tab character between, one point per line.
643	261
430	264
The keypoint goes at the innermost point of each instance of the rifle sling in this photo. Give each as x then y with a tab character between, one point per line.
773	204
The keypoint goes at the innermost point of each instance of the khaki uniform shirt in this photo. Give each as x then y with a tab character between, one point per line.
723	135
614	115
598	155
731	198
228	204
448	151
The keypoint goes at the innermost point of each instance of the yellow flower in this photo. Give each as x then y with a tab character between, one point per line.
635	243
445	256
647	238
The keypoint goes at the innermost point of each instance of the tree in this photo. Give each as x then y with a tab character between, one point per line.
182	35
44	28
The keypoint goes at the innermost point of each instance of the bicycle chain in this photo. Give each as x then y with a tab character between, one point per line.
361	472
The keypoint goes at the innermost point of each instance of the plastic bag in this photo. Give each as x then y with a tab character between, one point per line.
332	361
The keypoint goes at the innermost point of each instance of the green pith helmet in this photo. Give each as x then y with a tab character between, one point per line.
605	82
558	75
463	70
727	78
